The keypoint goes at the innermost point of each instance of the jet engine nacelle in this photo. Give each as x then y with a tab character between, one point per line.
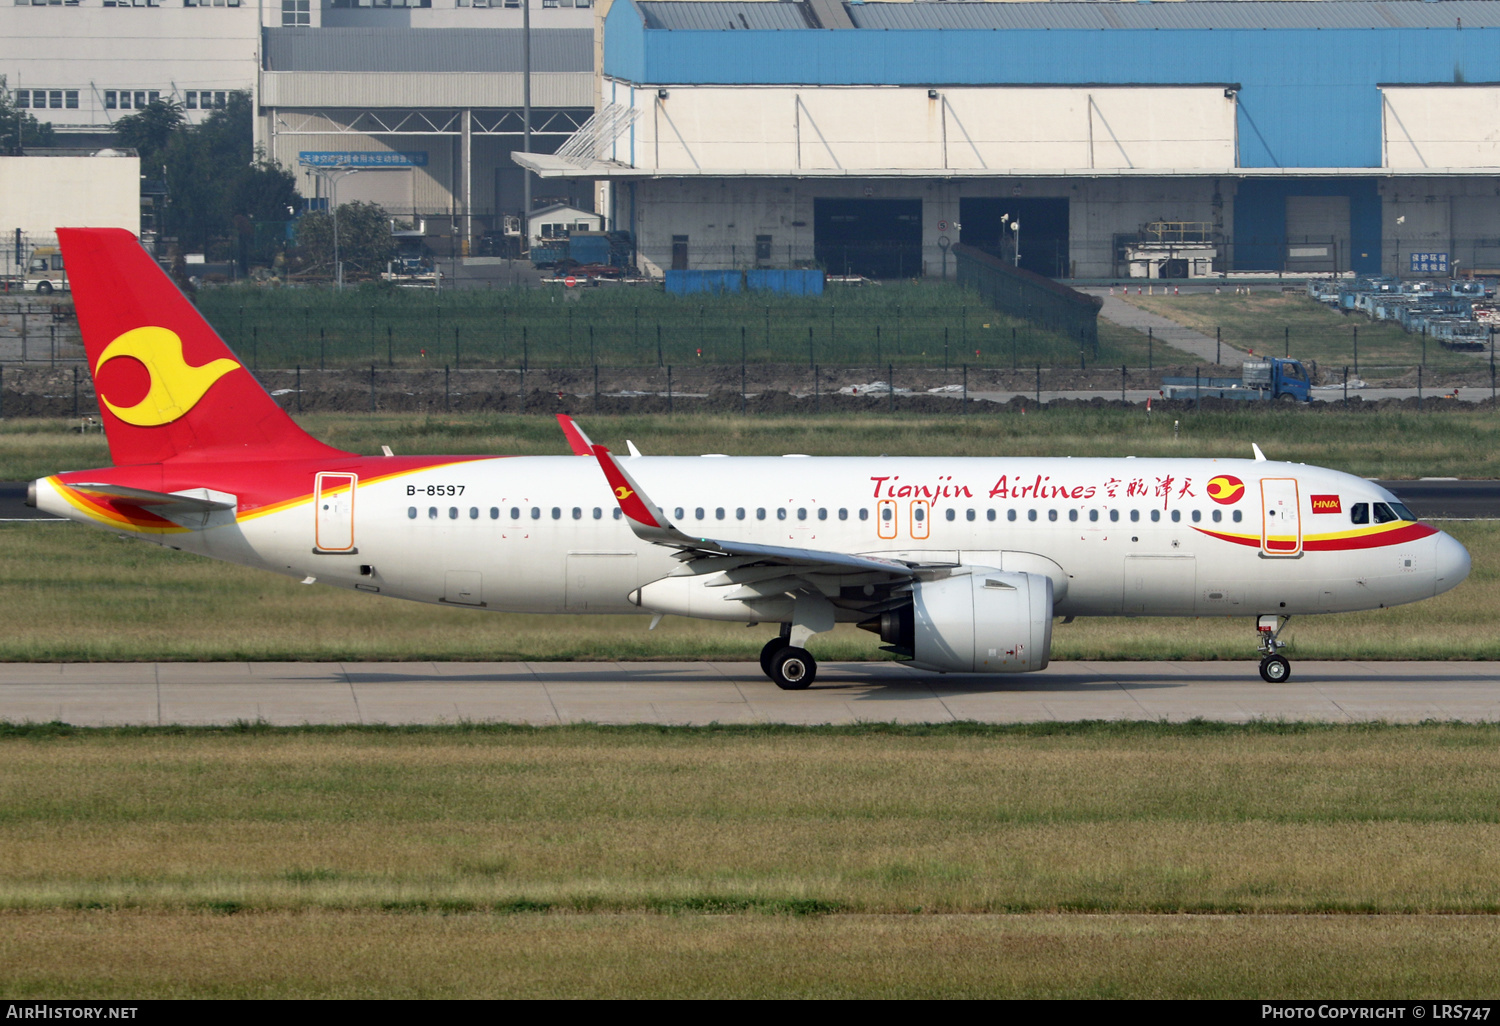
985	621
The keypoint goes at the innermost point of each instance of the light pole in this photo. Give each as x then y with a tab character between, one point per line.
1015	226
332	175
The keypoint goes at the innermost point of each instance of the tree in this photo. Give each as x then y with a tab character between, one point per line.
149	131
19	129
365	240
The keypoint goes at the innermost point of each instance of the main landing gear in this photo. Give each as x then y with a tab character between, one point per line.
1274	668
790	668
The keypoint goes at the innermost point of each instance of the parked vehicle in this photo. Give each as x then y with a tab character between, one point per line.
1275	378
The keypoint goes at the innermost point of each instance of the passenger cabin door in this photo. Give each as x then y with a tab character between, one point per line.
885	518
1281	522
920	520
334	502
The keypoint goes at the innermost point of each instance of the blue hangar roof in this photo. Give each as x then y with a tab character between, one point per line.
1308	70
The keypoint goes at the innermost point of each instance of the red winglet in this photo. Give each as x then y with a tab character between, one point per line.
577	440
626	492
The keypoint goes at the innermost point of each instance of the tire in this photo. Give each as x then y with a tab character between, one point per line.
1275	670
44	288
769	652
793	669
1287	397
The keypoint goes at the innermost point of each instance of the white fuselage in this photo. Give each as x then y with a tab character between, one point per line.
1118	536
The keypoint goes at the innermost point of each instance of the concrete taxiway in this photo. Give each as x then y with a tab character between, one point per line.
103	694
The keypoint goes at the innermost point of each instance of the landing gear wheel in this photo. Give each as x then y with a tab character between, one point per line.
1275	670
793	669
769	652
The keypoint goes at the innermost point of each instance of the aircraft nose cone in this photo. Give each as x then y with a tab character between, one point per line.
1450	564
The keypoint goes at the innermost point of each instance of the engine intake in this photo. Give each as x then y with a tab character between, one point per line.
983	621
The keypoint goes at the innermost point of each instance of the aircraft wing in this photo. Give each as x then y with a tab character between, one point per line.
649	522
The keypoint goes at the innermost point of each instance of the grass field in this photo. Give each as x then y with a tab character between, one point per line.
72	593
1125	860
1265	322
75	594
1455	442
903	323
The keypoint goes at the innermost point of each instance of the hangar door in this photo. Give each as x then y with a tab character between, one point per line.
1317	233
1043	236
878	238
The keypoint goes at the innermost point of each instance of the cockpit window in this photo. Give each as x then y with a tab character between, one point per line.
1384	514
1359	513
1403	512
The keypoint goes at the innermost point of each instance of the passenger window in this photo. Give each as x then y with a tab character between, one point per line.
556	512
1052	514
411	512
822	512
1073	515
719	513
677	514
1093	516
969	515
431	512
1238	516
739	513
1031	515
577	513
494	512
886	514
619	513
919	514
989	514
473	512
781	513
952	514
536	512
1114	516
452	512
1383	513
598	513
801	514
1176	516
760	513
1010	515
1197	515
698	513
843	514
1359	513
1155	515
864	514
1135	515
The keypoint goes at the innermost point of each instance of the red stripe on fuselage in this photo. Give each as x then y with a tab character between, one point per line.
1374	539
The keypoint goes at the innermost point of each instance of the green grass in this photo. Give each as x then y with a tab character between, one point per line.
1389	443
1119	860
1264	322
72	593
901	323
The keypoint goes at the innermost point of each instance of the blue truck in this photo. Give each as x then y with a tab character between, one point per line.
1274	378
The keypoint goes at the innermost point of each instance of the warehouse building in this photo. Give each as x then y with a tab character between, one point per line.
1081	139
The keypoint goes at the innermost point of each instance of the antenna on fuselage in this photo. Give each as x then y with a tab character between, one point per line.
1260	457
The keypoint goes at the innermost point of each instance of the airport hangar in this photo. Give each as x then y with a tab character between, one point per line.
1283	136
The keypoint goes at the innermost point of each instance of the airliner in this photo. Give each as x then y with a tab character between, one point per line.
960	565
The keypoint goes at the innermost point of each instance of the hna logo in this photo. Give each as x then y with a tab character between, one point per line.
1225	489
175	387
1326	504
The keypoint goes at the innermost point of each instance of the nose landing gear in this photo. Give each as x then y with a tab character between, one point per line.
1274	668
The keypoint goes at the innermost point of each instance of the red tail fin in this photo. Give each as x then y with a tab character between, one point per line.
167	384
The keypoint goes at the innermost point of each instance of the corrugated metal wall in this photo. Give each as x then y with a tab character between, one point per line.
426	50
1309	97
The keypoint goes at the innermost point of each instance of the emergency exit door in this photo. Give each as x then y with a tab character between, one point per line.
1281	521
334	503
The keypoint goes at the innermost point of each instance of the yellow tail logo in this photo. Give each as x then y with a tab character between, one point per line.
622	493
175	387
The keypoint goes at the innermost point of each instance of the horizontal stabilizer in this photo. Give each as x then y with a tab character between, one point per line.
161	503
